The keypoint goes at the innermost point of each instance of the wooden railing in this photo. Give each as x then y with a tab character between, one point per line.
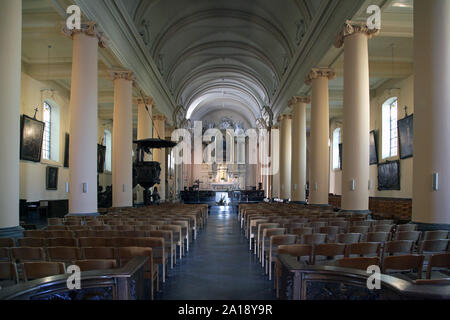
126	283
387	208
304	282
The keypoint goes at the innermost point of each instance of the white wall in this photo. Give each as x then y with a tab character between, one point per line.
404	89
32	175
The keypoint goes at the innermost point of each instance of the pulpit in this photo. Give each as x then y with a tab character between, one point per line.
147	172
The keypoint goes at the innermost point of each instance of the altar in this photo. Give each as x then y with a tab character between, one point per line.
224	186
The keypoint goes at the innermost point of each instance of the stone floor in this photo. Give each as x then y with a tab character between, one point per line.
219	265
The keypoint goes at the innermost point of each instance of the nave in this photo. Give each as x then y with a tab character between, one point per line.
220	266
318	127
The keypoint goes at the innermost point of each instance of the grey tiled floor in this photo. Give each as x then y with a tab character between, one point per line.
218	266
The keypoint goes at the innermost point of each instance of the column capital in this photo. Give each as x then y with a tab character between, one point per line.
143	100
159	117
352	27
90	29
299	99
284	116
318	73
121	74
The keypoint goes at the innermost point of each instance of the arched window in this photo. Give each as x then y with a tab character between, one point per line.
336	141
389	128
108	144
46	144
50	143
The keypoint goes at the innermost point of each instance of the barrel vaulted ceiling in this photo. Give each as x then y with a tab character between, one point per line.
216	55
220	55
227	58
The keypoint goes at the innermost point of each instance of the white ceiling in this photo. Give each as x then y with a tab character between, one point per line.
230	51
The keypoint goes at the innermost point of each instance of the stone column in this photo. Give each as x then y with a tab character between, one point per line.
262	160
274	177
318	78
298	183
159	155
431	201
264	145
258	166
10	65
145	125
285	121
122	146
144	131
355	143
83	119
251	168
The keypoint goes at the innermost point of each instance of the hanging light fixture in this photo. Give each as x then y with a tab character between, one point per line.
48	92
392	59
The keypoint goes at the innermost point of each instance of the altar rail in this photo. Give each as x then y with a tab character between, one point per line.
386	208
126	283
204	196
307	282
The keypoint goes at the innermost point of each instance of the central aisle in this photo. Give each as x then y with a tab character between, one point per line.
219	265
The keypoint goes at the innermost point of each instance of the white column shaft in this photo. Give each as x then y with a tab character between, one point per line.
10	65
122	167
356	124
432	111
299	152
145	126
319	142
83	125
285	157
159	155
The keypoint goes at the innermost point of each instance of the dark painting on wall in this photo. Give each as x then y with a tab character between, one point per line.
406	136
66	151
31	136
340	156
101	153
373	148
389	176
51	180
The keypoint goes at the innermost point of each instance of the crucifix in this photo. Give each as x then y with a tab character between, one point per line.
35	112
406	111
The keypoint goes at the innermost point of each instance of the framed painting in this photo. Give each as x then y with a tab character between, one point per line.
31	136
373	148
51	178
66	151
389	176
101	154
406	136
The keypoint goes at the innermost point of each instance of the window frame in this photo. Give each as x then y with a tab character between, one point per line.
389	133
107	141
47	136
335	149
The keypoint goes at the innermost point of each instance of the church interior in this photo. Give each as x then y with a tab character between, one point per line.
224	150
